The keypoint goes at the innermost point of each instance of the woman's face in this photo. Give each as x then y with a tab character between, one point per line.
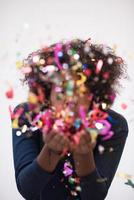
61	100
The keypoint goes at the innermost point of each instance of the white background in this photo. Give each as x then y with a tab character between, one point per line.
27	25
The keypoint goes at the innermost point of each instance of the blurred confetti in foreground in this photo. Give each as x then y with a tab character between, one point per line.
126	176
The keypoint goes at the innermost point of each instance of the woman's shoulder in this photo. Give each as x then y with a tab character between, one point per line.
24	106
118	121
22	110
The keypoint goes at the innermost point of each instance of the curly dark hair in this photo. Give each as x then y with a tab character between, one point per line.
98	62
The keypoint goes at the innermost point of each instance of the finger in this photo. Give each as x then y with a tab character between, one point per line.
45	129
72	146
67	143
64	143
86	137
85	144
49	136
93	144
76	138
56	143
84	149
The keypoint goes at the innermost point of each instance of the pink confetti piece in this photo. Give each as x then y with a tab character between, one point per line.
106	132
67	169
26	70
17	113
99	66
124	106
58	49
82	114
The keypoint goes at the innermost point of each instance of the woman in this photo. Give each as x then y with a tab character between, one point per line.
67	142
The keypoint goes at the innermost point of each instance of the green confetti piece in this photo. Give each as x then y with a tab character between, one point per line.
130	183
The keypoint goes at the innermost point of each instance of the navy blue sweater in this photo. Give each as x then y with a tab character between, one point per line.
34	183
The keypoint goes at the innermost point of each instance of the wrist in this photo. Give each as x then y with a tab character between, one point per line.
84	164
57	154
47	159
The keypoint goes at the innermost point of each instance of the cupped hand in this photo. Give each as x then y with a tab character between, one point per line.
56	141
81	143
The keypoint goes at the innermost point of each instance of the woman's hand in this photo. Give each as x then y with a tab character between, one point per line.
56	141
81	143
82	150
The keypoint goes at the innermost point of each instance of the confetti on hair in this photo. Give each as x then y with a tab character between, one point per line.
99	66
58	53
82	79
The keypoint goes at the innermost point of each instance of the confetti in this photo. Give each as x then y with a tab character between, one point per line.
76	56
81	80
26	70
9	93
15	123
67	169
101	180
124	106
101	149
123	175
99	66
32	98
105	131
130	183
58	49
110	61
24	128
36	59
18	133
19	64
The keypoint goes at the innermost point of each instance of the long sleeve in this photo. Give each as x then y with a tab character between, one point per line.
30	177
95	186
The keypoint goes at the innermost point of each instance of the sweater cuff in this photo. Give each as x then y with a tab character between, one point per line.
93	176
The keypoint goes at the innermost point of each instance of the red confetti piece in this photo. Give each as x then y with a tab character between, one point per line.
9	93
87	72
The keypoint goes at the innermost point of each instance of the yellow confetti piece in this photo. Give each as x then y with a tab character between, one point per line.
77	66
82	88
82	79
123	175
32	98
24	128
15	123
114	47
40	124
94	133
19	64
